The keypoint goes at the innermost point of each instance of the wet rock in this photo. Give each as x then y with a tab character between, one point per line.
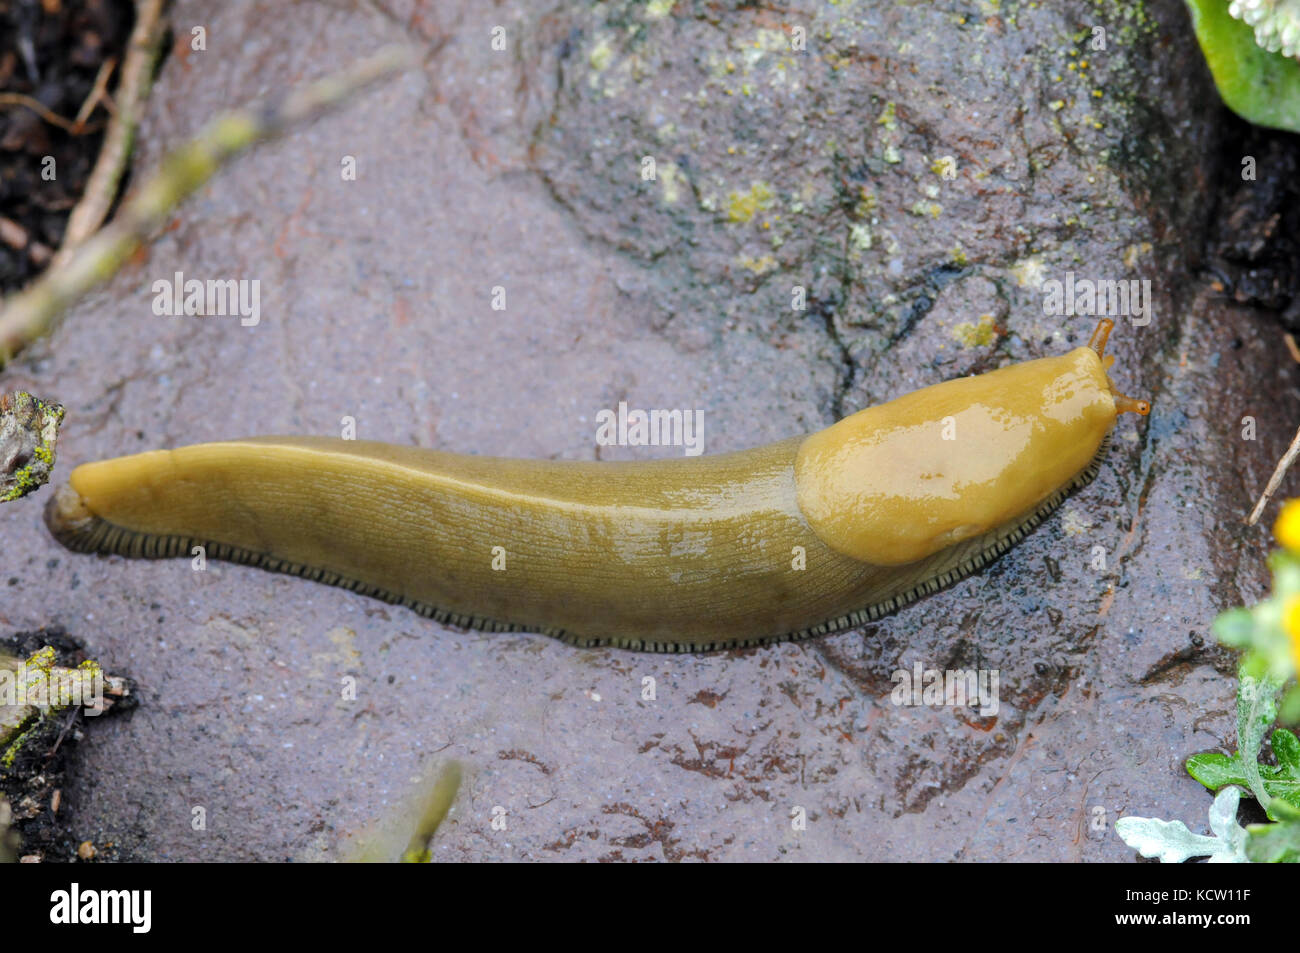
775	169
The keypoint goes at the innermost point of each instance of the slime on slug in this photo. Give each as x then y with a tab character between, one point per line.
787	541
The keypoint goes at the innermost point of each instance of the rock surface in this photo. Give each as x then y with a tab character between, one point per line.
918	173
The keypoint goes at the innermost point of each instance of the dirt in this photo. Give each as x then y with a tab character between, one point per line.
1253	250
822	170
51	52
38	768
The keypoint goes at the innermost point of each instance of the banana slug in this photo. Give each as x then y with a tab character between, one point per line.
787	541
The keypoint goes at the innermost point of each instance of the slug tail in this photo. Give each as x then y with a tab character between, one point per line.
72	524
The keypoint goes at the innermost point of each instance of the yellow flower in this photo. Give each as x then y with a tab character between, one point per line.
1291	622
1287	527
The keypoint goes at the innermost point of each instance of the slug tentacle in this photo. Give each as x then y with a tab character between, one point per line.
1130	405
1100	335
1123	405
796	539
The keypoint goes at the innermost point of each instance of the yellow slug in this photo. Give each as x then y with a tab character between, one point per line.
795	539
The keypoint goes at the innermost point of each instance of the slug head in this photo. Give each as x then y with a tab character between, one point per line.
896	483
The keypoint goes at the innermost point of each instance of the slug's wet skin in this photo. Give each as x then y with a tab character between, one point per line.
791	540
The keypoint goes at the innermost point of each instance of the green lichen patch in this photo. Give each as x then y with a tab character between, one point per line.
743	206
29	433
982	333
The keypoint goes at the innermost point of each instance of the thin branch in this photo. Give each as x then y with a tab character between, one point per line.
54	119
98	91
31	313
1283	465
1292	347
132	89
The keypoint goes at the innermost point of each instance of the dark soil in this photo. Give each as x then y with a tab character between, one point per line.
1254	245
36	784
50	50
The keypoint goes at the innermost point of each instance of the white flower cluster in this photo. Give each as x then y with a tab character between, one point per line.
1276	23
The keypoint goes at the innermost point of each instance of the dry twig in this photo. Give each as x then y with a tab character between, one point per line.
132	89
1283	465
70	126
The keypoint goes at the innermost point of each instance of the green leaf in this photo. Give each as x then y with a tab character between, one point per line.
1283	781
1290	710
1173	843
1286	571
1273	843
1280	782
1260	87
1286	748
1256	711
1216	770
1254	663
1234	628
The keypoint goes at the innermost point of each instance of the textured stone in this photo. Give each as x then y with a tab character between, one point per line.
774	169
